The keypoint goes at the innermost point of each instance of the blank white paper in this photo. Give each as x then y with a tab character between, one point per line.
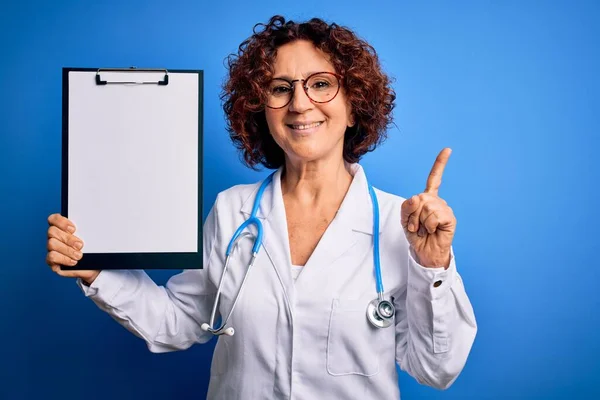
133	162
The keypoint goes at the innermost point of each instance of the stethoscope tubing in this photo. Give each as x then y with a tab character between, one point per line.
380	319
233	243
376	257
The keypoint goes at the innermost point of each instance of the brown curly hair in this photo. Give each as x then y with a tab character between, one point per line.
367	87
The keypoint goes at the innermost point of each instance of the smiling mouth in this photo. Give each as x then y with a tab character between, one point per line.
305	127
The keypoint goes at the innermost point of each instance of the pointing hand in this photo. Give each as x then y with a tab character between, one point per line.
428	221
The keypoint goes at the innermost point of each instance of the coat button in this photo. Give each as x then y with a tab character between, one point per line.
437	283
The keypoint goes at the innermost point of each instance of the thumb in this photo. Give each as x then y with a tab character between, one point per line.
409	206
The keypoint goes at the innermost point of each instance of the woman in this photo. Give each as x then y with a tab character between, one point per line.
307	100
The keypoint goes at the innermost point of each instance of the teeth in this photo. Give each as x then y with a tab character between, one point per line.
303	127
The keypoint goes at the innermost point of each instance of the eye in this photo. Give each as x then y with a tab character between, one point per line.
280	90
320	84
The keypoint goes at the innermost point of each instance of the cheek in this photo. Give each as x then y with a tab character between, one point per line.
339	116
269	119
275	127
340	112
274	120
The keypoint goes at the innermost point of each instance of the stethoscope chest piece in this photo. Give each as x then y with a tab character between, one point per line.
380	313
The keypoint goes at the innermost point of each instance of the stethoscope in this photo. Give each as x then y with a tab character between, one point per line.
380	312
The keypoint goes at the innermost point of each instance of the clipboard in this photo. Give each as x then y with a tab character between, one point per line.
131	177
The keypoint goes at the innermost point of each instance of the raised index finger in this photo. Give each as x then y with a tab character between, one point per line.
435	176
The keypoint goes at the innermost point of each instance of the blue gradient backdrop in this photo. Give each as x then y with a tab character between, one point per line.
511	86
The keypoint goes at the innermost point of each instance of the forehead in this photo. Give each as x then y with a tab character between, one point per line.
299	59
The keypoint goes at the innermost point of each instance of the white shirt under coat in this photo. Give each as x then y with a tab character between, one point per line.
308	338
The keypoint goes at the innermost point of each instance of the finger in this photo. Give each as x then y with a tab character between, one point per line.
64	249
61	222
408	207
64	273
439	219
431	222
414	218
71	240
424	201
56	269
429	209
435	176
56	258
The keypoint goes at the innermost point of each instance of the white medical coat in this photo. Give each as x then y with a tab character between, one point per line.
308	339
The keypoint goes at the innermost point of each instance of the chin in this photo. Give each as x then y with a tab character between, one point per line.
305	155
312	153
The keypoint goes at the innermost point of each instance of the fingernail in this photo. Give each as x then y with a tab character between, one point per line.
71	228
410	201
78	245
411	227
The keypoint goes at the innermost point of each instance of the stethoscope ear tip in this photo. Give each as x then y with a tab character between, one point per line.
206	328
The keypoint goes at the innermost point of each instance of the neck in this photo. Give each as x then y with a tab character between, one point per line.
316	183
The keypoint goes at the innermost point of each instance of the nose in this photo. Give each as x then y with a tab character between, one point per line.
300	101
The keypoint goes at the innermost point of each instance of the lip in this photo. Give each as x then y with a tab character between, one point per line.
307	130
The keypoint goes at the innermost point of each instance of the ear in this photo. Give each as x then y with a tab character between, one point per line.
351	120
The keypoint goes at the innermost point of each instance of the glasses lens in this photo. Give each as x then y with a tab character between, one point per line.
280	93
322	87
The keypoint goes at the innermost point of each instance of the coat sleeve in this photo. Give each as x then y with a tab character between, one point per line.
435	324
167	317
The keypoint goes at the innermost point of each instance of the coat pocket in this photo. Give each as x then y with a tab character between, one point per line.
353	344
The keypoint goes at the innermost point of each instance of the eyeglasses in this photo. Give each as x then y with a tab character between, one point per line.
321	87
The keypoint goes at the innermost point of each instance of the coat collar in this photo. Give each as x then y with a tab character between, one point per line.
354	218
356	210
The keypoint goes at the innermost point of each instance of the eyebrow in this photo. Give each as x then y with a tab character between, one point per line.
289	79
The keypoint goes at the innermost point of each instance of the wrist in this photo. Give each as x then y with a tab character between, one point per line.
439	261
88	280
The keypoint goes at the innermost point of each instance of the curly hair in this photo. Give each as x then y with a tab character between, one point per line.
244	93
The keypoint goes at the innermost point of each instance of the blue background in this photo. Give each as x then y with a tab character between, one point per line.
512	87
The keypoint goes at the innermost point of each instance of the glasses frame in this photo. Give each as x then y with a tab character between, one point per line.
338	76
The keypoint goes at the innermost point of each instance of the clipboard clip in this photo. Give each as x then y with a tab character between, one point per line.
163	82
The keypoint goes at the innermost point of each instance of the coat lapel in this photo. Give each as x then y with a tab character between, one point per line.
275	234
354	217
